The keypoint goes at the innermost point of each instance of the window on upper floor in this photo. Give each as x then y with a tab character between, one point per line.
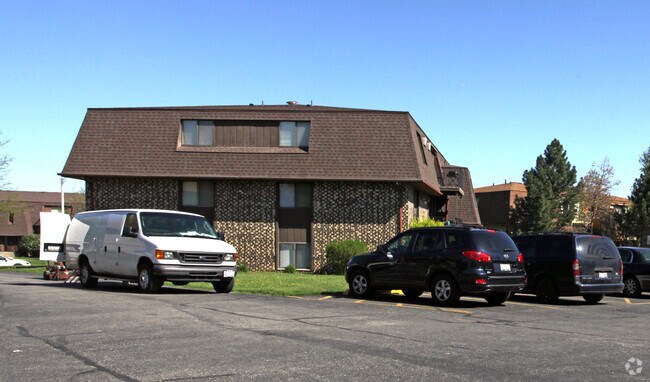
294	134
198	133
199	194
295	195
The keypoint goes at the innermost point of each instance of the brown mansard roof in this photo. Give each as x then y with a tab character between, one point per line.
344	144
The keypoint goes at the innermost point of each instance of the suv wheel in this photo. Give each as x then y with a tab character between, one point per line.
497	298
85	276
593	298
546	291
444	290
360	285
632	287
147	281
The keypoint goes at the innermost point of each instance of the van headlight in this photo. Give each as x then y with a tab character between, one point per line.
165	255
230	257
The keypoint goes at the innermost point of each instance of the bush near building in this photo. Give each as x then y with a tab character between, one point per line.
339	252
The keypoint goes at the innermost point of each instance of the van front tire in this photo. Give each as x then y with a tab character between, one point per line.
224	286
147	281
86	276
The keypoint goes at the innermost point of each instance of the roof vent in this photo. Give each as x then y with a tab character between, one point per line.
292	103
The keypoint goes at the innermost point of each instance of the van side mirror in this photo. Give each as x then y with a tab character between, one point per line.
221	236
381	249
133	232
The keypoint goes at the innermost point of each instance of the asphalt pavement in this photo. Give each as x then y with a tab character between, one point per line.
62	332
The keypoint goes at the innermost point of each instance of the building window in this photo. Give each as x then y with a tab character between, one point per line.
294	134
296	254
199	194
295	195
198	133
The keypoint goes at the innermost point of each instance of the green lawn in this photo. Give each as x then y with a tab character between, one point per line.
270	283
284	284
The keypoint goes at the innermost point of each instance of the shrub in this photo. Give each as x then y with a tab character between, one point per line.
339	252
426	222
29	244
290	269
243	268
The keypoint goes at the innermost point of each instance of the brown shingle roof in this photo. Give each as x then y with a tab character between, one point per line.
345	144
511	186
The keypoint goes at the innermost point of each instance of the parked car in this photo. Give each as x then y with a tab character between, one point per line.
8	262
570	264
448	261
636	265
148	247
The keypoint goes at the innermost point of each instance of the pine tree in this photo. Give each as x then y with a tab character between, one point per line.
637	219
550	203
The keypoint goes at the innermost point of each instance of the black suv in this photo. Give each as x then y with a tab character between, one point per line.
636	264
570	264
448	261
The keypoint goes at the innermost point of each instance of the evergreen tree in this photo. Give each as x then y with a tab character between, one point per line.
550	203
637	219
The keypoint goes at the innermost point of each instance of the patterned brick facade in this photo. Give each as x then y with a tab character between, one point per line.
113	193
245	213
364	211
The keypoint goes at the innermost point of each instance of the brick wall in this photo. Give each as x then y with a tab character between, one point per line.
245	213
113	193
361	211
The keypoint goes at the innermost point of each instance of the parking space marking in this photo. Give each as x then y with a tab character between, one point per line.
627	300
520	303
325	298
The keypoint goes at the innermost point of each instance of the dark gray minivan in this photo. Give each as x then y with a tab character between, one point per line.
570	264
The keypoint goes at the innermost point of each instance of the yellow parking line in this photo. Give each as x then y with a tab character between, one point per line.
324	298
627	300
360	301
533	305
455	310
396	291
399	305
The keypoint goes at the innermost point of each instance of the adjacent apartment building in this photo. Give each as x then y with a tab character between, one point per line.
280	181
20	213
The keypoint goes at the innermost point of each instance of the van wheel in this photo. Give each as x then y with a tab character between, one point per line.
147	281
86	276
360	285
224	286
412	293
445	291
497	298
546	291
632	287
593	298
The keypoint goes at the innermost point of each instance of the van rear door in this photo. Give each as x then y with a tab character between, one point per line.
53	229
600	262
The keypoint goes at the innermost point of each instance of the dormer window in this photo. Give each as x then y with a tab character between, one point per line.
294	134
198	133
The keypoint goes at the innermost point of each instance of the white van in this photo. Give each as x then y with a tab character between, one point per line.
150	246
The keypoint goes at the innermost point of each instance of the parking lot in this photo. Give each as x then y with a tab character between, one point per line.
64	332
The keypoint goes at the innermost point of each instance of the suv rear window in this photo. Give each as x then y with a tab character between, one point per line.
595	246
492	241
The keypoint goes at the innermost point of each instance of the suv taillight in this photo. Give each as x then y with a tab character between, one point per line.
520	258
576	267
478	256
621	268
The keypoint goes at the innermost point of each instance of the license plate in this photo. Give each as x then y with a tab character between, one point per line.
228	273
602	275
505	267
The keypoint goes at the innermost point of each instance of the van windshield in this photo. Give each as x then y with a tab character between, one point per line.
169	224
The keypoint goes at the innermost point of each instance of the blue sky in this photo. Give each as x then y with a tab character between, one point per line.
491	83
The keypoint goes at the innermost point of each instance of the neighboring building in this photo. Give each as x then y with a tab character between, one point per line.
20	213
280	182
495	201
